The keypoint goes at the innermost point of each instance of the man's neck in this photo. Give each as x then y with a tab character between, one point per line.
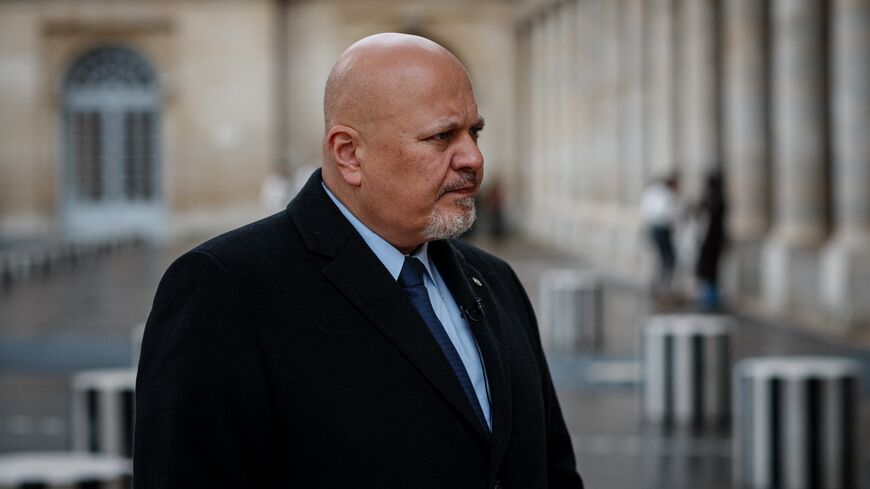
348	204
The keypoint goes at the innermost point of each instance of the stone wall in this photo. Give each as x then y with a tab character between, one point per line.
623	92
241	85
214	64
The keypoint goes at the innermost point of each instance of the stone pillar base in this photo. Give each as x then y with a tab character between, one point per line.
845	284
564	235
579	231
741	271
628	259
790	277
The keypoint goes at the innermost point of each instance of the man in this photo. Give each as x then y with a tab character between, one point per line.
347	342
712	214
660	210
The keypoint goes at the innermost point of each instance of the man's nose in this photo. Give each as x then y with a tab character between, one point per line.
468	155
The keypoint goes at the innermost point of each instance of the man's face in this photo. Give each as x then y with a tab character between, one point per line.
421	166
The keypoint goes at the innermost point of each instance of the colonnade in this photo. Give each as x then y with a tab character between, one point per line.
619	92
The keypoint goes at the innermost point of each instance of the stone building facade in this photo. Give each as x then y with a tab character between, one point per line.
613	94
71	69
165	117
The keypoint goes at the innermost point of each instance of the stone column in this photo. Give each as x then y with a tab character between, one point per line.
611	170
521	191
551	122
611	88
846	278
586	123
536	171
566	129
574	90
602	102
745	148
632	140
632	108
698	121
799	131
660	85
579	101
596	94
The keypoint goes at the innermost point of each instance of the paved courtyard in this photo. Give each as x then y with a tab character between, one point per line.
81	317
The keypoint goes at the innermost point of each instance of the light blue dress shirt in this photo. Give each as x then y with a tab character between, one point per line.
442	302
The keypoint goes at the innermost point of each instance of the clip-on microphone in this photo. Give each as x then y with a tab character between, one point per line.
478	315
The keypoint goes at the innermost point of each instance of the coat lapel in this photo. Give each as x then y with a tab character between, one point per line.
480	309
358	274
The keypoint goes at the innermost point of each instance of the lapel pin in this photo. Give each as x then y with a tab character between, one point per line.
476	281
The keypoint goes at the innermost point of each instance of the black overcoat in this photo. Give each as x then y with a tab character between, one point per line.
284	355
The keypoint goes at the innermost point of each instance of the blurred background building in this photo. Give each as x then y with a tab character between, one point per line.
775	93
164	118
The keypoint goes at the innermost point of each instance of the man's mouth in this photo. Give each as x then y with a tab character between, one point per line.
467	190
465	186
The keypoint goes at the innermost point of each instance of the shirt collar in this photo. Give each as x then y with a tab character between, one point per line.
392	258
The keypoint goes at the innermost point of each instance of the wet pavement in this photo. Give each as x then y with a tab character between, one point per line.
81	316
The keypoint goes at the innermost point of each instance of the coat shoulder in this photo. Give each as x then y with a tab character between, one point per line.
267	232
255	245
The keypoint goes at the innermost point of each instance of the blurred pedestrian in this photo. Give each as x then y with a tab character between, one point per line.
660	211
711	213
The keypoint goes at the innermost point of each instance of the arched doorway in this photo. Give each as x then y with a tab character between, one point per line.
111	120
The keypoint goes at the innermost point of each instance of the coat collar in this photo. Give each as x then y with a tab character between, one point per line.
358	274
324	230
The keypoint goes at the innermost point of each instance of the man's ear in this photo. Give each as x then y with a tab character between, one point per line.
343	143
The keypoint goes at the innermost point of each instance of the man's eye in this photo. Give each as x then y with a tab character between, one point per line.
475	132
442	136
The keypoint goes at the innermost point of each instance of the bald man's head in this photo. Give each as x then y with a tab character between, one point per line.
400	147
369	72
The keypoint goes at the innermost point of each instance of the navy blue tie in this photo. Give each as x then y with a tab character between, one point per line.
411	281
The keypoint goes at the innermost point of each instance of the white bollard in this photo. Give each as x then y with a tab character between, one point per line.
102	411
796	423
687	362
571	310
59	470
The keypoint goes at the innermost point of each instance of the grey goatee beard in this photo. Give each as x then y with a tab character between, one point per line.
449	225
